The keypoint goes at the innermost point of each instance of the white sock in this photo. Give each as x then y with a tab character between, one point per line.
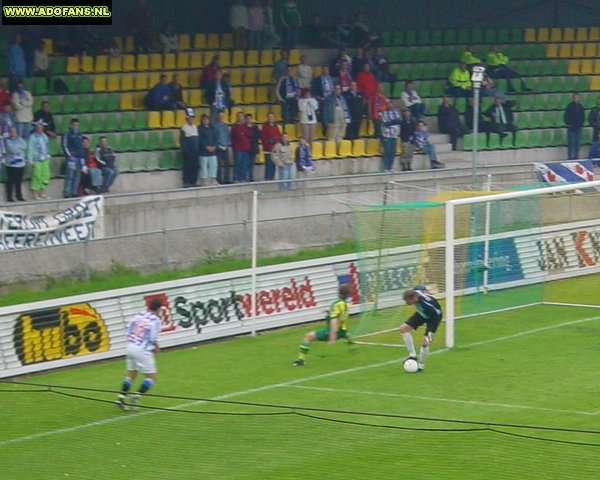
410	345
423	355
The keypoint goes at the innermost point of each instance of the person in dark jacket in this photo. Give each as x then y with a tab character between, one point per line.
483	125
574	117
322	89
594	154
107	162
75	159
45	116
288	93
207	139
159	97
218	95
501	118
449	121
190	147
176	93
358	108
594	120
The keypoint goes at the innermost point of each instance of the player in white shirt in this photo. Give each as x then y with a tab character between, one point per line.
142	345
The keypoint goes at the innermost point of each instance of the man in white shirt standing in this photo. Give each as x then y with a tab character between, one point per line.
142	345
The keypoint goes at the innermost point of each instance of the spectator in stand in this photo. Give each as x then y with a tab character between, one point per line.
342	56
408	127
38	155
92	178
482	126
359	61
254	145
22	102
336	131
381	68
344	77
574	117
367	85
288	93
317	34
4	94
223	145
283	160
308	107
594	154
281	65
305	75
15	161
291	21
390	131
469	57
41	64
218	95
421	140
176	92
322	90
382	103
168	40
7	120
190	147
238	21
459	82
17	65
256	25
269	136
209	72
365	36
107	162
593	119
411	100
241	145
304	163
497	68
489	89
449	121
357	105
270	37
139	21
209	166
159	97
501	119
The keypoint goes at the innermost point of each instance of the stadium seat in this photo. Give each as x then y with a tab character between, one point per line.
552	50
522	120
199	41
39	86
249	95
294	57
564	50
58	65
261	113
213	41
373	147
262	95
140	120
581	34
577	50
128	63
594	34
317	150
196	60
530	35
101	64
127	82
345	149
490	36
113	83
141	81
252	58
179	117
153	140
98	103
533	138
100	123
236	95
559	138
112	102
154	120
166	160
139	141
185	42
226	41
238	59
250	76
142	62
138	162
329	150
183	60
195	99
124	121
266	57
543	35
586	67
545	138
492	141
224	58
99	84
590	50
169	61
358	148
167	141
168	119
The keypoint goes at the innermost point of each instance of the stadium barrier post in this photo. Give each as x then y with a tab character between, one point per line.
254	255
449	212
486	244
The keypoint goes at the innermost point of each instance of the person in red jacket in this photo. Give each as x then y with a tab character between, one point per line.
241	145
270	135
366	83
5	96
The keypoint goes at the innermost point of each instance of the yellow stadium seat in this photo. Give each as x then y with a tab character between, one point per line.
265	76
167	119
365	129
329	150
317	70
183	60
266	57
112	83
127	82
196	60
573	67
249	95
128	45
235	76
590	50
568	35
184	42
195	98
138	100
101	64
373	148
169	62
317	150
250	76
119	43
577	50
199	41
252	58
552	50
179	117
597	67
153	119
586	67
86	64
99	84
184	78
530	35
153	79
212	41
261	113
156	61
564	51
594	34
236	95
292	132
276	110
345	149
294	57
238	59
543	35
194	79
358	148
49	45
262	95
141	81
142	62
226	41
128	63
126	102
595	83
319	133
556	35
224	59
72	64
398	147
260	158
582	34
115	63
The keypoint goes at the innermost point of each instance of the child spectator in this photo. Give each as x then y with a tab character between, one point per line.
304	161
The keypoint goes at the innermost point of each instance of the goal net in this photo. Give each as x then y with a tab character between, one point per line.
479	252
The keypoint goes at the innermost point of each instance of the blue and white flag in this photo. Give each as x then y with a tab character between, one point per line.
565	172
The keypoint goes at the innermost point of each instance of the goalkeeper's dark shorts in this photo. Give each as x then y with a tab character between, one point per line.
416	320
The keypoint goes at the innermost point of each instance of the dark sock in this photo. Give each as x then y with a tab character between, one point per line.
126	385
146	385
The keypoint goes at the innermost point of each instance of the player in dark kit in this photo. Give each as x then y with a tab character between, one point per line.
429	313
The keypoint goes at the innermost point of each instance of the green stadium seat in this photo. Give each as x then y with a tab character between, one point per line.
463	37
521	139
437	88
398	37
167	160
72	83
437	37
153	141
98	102
58	66
425	89
410	37
125	142
516	35
387	38
533	138
493	142
54	147
398	88
522	120
69	104
39	86
152	161
548	119
395	55
545	138
559	138
100	124
112	122
126	121
61	122
85	85
543	85
449	37
564	101
113	102
387	89
552	102
503	36
476	36
140	120
489	36
168	140
139	142
468	141
539	102
138	162
423	37
535	119
178	160
84	123
84	104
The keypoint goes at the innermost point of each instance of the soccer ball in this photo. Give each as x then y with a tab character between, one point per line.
411	365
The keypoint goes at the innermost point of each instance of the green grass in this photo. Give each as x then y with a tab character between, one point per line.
519	367
122	277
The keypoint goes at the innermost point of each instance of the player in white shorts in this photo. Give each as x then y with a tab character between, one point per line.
142	345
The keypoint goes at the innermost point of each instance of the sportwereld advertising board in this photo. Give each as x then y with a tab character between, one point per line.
84	328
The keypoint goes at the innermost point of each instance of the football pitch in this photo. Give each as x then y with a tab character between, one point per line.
236	409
